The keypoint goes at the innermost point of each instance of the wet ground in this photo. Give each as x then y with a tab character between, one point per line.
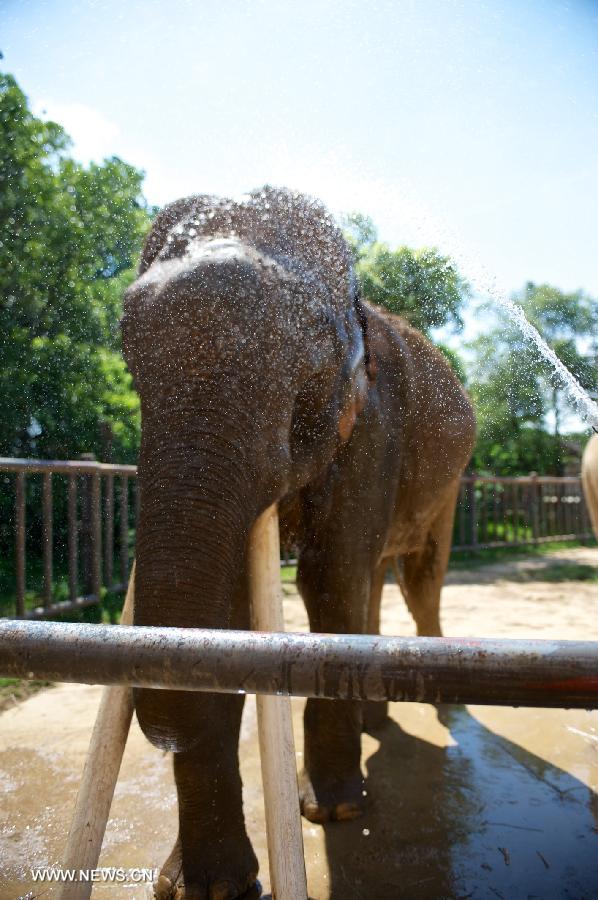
469	802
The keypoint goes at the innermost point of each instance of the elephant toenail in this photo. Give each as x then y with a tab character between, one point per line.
316	813
163	888
344	812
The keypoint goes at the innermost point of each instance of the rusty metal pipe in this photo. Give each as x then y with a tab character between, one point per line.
364	667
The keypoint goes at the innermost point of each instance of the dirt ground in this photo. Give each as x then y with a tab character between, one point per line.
468	802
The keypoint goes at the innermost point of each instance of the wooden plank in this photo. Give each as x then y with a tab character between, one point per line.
277	747
495	511
484	512
47	536
108	529
106	748
137	502
73	537
473	511
20	542
124	528
96	536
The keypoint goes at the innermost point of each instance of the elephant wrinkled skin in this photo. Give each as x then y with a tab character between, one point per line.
264	378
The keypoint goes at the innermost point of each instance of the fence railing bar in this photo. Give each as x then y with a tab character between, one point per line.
473	511
124	529
108	528
137	502
73	542
63	467
59	608
96	535
47	539
20	542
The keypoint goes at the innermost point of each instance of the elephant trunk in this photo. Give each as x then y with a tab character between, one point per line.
196	511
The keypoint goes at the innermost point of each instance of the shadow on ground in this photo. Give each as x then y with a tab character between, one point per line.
479	818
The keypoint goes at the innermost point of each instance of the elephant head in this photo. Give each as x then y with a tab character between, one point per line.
248	347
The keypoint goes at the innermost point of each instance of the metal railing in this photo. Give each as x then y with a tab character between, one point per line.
98	516
540	673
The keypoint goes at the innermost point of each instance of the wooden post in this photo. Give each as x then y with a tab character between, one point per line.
124	528
47	536
277	747
473	507
96	535
108	529
484	512
494	510
20	542
106	748
515	495
72	536
87	529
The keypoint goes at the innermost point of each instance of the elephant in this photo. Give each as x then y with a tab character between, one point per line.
589	479
265	378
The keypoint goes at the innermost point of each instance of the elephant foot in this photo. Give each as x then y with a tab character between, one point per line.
375	715
332	800
236	878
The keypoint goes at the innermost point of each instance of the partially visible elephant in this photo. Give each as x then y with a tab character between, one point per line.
589	479
264	378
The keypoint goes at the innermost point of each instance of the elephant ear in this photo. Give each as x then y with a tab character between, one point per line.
359	376
369	359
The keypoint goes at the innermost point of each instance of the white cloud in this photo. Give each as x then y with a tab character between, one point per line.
94	136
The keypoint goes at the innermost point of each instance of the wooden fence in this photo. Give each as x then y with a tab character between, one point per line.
502	512
98	512
93	533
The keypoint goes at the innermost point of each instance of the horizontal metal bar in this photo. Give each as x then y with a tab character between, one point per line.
64	467
63	606
68	606
359	667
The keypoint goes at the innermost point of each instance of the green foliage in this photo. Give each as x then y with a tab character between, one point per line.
69	238
455	360
488	556
514	390
419	284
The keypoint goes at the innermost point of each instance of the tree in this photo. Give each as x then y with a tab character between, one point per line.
568	322
420	284
515	391
69	238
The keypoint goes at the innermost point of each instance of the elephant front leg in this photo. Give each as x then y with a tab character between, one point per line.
331	785
212	858
375	712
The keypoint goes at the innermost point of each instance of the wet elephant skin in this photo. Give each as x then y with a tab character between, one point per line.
264	378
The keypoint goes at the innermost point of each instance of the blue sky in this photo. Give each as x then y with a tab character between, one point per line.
469	125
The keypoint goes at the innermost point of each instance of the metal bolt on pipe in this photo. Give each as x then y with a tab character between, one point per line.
541	673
